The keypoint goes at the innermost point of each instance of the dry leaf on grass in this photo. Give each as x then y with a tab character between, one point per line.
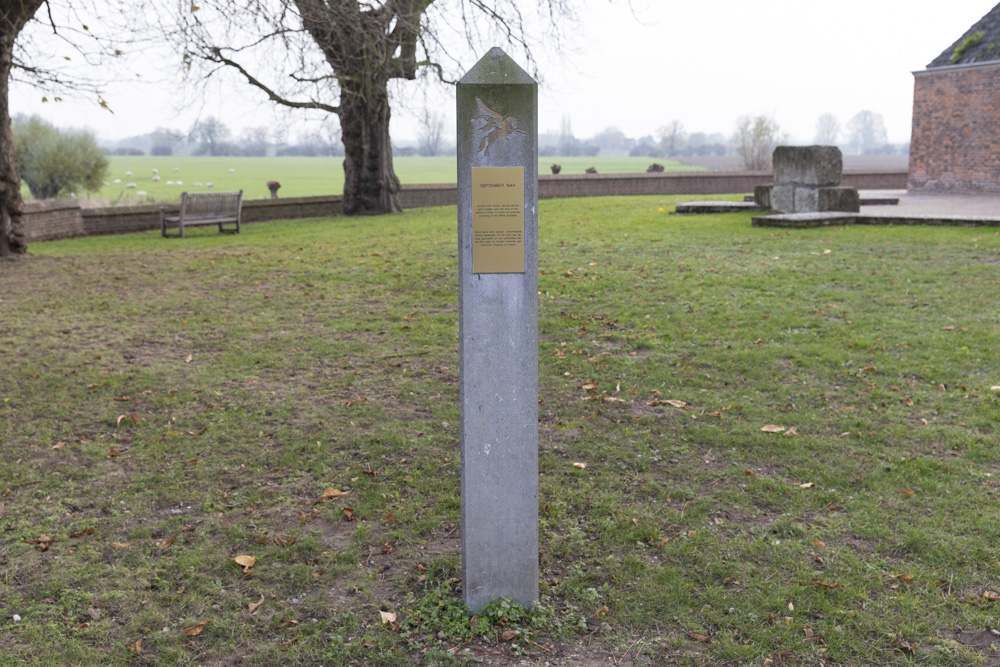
253	605
246	561
388	617
507	635
697	636
771	428
579	464
330	492
195	630
42	542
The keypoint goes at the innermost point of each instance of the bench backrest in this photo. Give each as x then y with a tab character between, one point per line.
209	204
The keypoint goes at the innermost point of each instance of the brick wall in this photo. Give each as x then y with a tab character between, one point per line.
52	219
63	219
955	145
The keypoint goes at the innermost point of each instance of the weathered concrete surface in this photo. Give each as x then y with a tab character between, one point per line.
817	166
700	207
838	199
498	347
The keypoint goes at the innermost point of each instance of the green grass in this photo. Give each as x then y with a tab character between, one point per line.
304	176
168	405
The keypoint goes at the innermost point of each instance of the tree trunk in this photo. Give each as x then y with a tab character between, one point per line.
12	238
370	183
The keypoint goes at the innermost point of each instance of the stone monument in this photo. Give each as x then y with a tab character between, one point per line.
807	180
497	105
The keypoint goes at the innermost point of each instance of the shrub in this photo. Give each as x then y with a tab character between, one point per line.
556	168
53	162
654	168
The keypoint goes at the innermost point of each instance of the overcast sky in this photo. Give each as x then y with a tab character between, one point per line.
704	63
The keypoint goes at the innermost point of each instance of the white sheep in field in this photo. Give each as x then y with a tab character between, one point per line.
106	184
117	181
128	173
177	169
210	184
197	184
170	182
232	171
180	182
155	170
130	186
141	193
156	179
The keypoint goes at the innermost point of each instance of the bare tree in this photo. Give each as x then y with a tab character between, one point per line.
755	139
866	131
210	135
827	130
431	133
339	57
254	141
673	137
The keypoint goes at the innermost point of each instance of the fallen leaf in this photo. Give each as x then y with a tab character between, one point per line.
167	542
716	414
120	545
59	445
820	582
947	328
579	464
589	386
905	577
906	492
253	605
284	543
806	485
42	542
246	561
507	635
81	533
771	428
697	636
905	646
348	513
331	492
188	359
790	432
195	630
749	472
389	517
603	611
991	596
819	545
388	617
677	404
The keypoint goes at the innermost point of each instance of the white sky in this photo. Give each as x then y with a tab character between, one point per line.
704	63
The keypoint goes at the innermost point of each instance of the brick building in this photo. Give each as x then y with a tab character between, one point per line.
955	145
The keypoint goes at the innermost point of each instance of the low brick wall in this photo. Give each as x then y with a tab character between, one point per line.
64	218
52	219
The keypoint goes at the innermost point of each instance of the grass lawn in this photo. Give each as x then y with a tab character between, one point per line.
305	176
790	437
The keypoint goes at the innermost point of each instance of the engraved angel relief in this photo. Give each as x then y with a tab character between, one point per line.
496	125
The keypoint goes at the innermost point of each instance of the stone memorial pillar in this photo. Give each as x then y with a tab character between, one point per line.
497	104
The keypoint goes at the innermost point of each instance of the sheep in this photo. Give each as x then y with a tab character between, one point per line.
210	184
180	182
170	182
196	184
106	184
130	186
117	181
155	170
232	171
127	174
141	193
156	179
176	169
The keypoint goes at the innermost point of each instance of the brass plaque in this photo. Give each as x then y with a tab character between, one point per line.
498	219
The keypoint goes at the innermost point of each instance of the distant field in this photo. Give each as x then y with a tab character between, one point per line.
305	176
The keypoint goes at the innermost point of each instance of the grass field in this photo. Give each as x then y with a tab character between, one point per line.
303	176
790	437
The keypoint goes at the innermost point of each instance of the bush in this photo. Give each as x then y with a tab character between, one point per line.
53	162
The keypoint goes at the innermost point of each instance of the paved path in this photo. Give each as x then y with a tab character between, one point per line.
976	205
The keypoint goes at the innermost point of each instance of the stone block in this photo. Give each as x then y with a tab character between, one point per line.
839	199
817	166
762	195
783	198
806	199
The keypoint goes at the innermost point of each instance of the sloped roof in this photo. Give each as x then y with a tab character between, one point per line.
980	43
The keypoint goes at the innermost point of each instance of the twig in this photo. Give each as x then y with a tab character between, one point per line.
629	650
39	481
539	646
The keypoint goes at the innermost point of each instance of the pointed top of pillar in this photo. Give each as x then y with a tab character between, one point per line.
496	67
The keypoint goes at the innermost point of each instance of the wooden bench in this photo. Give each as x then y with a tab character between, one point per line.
204	208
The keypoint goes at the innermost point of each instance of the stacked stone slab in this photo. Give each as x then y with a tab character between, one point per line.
807	180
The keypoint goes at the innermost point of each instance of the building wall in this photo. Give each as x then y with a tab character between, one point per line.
64	218
955	145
